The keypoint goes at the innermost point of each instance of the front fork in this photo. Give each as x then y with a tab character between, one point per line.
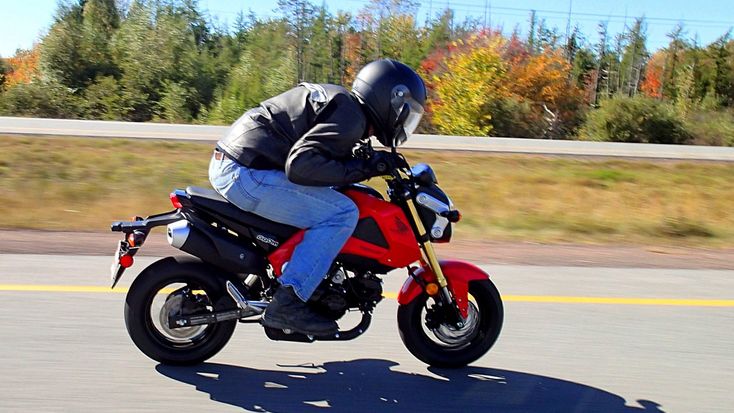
430	257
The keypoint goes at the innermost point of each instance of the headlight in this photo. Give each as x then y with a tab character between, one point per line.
432	202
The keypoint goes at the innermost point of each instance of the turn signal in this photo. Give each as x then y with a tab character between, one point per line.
432	289
174	200
135	239
126	261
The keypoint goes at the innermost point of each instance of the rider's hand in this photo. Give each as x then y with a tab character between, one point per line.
383	163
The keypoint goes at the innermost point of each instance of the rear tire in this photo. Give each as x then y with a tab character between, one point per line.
139	319
424	344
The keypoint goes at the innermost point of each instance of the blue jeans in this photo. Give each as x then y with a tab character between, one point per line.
328	216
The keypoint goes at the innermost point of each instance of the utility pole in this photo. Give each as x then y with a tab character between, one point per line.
451	27
568	21
489	9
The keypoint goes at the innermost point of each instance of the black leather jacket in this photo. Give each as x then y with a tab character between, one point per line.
308	131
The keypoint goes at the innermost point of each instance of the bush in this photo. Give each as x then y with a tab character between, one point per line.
40	99
638	119
103	99
711	128
515	118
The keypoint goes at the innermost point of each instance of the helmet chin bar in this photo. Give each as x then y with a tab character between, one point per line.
400	137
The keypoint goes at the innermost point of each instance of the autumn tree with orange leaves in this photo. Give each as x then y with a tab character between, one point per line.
652	85
490	84
23	67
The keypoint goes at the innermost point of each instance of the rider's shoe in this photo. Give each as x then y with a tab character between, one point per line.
287	312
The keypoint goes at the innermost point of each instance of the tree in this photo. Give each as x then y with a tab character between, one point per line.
266	67
652	85
583	70
532	43
76	49
61	50
675	48
601	79
543	83
176	102
3	72
684	91
100	20
319	53
438	31
103	99
473	78
162	49
489	84
300	14
22	68
723	82
633	59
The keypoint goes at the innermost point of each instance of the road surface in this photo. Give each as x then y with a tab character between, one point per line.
575	340
65	127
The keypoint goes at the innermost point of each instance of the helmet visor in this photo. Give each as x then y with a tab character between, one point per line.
414	117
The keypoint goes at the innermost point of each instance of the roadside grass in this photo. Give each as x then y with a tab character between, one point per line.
84	184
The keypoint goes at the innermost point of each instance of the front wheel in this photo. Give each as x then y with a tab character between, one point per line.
177	286
445	345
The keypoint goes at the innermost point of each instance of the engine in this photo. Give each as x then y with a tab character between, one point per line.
339	293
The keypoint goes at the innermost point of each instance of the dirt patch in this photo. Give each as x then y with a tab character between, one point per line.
618	256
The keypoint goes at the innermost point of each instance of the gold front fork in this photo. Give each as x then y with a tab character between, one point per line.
427	246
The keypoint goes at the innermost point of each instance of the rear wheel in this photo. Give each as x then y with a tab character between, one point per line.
177	286
445	345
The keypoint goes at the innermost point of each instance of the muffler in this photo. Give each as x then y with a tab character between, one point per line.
220	249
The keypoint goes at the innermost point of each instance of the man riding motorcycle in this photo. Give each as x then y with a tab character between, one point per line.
281	160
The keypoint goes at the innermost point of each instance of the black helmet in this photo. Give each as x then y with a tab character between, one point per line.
394	97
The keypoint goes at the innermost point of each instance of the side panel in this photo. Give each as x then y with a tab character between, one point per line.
402	246
458	275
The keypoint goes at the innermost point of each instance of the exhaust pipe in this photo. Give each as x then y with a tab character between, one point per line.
177	233
215	247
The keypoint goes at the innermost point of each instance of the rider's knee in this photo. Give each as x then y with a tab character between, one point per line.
350	213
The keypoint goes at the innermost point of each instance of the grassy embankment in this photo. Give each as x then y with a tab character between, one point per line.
84	184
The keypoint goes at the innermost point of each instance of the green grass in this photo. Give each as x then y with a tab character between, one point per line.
84	184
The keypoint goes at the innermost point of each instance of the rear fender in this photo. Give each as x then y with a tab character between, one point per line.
458	275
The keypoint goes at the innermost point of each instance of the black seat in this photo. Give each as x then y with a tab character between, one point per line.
210	201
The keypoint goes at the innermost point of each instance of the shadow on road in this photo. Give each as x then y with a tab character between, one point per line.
368	385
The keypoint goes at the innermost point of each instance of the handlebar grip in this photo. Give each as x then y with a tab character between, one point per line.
452	216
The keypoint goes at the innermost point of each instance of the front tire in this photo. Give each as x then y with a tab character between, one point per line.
446	346
148	328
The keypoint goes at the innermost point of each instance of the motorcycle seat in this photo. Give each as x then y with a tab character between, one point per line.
210	201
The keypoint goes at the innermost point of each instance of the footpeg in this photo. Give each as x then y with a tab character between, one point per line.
248	308
236	295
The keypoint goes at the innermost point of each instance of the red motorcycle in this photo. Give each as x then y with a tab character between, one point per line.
183	310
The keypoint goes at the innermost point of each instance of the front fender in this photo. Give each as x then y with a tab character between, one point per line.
458	275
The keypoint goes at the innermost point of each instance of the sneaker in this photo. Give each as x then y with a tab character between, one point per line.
287	312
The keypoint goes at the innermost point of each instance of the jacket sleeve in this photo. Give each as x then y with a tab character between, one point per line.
323	155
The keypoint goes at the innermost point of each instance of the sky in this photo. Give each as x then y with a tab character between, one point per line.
23	22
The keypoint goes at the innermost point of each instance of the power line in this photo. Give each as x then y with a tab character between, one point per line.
604	16
471	7
476	10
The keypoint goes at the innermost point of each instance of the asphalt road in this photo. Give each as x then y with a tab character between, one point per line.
66	127
652	340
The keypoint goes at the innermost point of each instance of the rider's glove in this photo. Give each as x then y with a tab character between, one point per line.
383	163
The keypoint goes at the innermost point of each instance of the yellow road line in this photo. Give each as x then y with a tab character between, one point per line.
683	302
61	288
680	302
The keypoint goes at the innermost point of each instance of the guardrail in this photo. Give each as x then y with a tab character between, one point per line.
101	129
